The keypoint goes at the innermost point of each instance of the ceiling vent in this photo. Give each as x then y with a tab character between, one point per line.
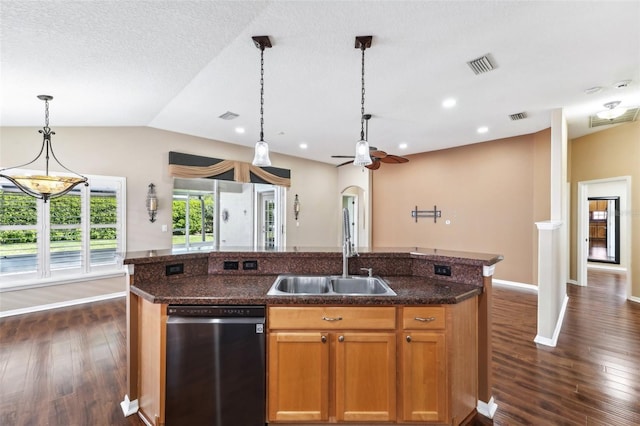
229	115
482	64
630	115
518	116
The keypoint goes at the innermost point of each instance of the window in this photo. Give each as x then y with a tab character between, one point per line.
77	234
192	219
214	214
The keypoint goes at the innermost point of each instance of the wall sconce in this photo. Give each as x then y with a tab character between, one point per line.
296	209
152	203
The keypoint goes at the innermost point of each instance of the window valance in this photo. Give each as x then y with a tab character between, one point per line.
195	166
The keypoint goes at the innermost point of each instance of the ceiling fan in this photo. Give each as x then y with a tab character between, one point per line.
377	156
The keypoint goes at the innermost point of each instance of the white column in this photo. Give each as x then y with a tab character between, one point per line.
552	291
486	404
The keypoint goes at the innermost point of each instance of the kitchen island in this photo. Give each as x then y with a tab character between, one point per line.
454	339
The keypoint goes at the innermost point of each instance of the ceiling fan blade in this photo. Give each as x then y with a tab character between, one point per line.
393	159
342	156
374	166
378	154
345	163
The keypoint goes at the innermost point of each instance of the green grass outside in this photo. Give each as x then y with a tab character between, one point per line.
32	248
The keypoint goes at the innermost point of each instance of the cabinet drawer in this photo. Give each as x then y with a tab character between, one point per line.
331	318
423	318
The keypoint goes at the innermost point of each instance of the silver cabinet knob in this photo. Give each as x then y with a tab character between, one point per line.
408	339
341	339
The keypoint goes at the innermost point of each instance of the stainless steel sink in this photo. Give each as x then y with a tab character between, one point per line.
329	285
359	285
301	284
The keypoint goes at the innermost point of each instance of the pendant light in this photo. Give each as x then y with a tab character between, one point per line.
261	157
362	157
45	186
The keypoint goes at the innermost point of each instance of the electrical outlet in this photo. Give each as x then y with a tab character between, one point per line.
174	269
442	270
231	265
250	265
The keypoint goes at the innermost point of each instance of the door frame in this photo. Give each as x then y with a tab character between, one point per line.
585	189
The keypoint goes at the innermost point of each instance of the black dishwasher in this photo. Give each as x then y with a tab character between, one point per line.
215	365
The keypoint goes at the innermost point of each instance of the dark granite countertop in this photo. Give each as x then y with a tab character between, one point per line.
252	290
151	256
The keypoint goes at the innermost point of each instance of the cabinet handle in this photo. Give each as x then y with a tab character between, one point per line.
408	339
332	319
324	339
341	339
425	319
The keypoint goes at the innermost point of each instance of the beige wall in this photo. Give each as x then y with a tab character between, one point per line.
141	155
606	154
492	193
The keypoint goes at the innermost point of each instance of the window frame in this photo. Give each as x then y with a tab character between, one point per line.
44	273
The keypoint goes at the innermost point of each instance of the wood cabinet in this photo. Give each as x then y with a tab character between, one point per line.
328	364
331	363
424	364
298	385
439	367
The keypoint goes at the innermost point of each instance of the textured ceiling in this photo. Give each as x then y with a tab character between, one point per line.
178	65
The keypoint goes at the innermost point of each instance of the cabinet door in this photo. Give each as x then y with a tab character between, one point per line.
365	376
424	375
298	376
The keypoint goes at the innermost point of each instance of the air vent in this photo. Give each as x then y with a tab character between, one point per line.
518	116
229	115
481	65
630	115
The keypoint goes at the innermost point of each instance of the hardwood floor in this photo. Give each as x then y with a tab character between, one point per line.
592	376
66	366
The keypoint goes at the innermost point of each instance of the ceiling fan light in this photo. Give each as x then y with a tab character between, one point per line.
611	114
261	157
362	154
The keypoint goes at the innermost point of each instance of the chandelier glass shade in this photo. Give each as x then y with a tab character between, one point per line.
47	186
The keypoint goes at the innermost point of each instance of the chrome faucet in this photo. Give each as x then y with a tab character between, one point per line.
347	247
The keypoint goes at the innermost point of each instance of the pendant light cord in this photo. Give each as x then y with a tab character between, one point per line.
261	93
362	100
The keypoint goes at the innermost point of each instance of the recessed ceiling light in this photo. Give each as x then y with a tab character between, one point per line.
303	146
449	103
403	146
240	130
483	129
592	90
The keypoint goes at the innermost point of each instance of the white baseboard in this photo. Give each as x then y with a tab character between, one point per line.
487	409
129	407
606	267
634	299
66	303
514	284
553	341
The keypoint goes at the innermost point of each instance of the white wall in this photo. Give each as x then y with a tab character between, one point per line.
237	231
140	154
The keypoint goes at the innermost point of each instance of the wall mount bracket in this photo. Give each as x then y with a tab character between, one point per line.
435	213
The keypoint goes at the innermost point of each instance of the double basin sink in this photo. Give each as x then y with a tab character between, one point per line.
329	285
